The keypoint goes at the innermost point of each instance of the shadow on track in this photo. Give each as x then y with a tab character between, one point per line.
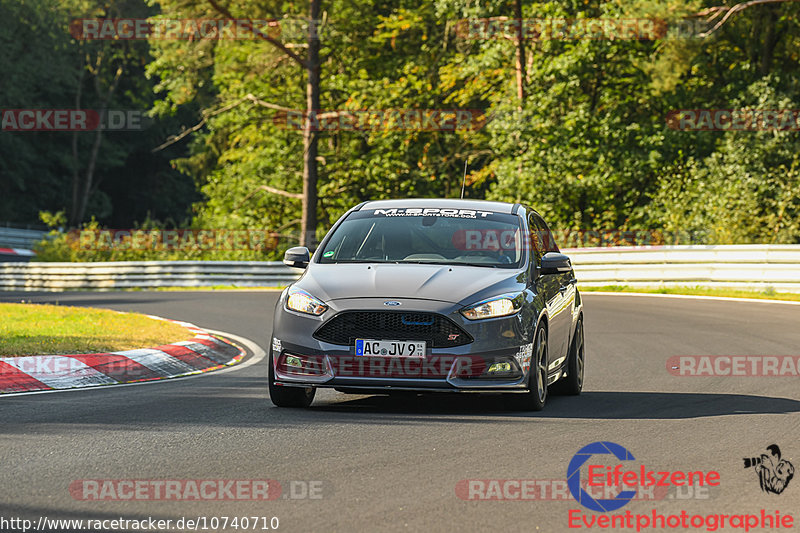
242	402
590	405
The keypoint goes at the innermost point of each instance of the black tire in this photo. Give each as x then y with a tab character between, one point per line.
535	398
572	385
288	396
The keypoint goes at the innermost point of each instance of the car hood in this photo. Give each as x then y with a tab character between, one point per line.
445	283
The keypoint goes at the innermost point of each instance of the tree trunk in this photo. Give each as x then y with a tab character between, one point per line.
308	224
86	186
76	165
520	68
520	54
88	180
770	39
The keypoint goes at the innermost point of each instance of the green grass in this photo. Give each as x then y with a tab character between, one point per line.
28	329
768	294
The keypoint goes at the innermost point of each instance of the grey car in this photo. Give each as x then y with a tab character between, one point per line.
430	295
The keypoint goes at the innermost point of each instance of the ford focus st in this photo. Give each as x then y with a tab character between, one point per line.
430	296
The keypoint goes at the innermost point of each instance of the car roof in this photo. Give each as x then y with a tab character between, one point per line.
451	203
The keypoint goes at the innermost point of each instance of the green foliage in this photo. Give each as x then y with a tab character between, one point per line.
746	191
45	67
589	146
152	242
595	152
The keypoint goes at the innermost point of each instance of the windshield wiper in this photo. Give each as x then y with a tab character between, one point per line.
418	262
449	263
485	265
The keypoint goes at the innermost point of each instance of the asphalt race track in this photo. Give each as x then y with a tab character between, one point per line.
393	464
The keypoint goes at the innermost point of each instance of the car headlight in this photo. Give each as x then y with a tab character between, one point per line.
302	302
496	307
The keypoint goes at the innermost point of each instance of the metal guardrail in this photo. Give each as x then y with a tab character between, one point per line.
745	266
734	266
143	275
19	238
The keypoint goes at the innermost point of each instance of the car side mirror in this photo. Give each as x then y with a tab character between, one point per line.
555	263
297	257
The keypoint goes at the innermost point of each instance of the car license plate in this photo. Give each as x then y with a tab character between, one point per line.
382	348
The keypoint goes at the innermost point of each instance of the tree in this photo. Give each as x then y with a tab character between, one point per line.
310	63
89	173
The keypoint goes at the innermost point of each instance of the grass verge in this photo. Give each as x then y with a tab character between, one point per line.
32	329
768	294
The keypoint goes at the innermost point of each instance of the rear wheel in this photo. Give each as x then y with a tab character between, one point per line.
535	398
572	385
288	396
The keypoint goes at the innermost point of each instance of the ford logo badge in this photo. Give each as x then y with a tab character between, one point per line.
392	303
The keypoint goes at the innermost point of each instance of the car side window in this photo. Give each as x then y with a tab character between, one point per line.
536	244
547	239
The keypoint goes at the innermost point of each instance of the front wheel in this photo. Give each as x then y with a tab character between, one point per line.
535	398
288	396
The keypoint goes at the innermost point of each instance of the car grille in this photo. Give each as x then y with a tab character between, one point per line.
439	331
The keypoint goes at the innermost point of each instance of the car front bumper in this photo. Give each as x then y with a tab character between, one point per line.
497	359
438	372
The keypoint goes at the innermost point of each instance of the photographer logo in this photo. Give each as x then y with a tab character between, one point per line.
774	473
620	482
574	477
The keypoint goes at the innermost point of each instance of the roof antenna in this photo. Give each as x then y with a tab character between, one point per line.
464	181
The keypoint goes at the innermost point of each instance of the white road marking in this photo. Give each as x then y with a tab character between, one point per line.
59	372
258	354
158	361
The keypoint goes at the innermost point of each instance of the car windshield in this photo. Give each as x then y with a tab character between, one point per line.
430	235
